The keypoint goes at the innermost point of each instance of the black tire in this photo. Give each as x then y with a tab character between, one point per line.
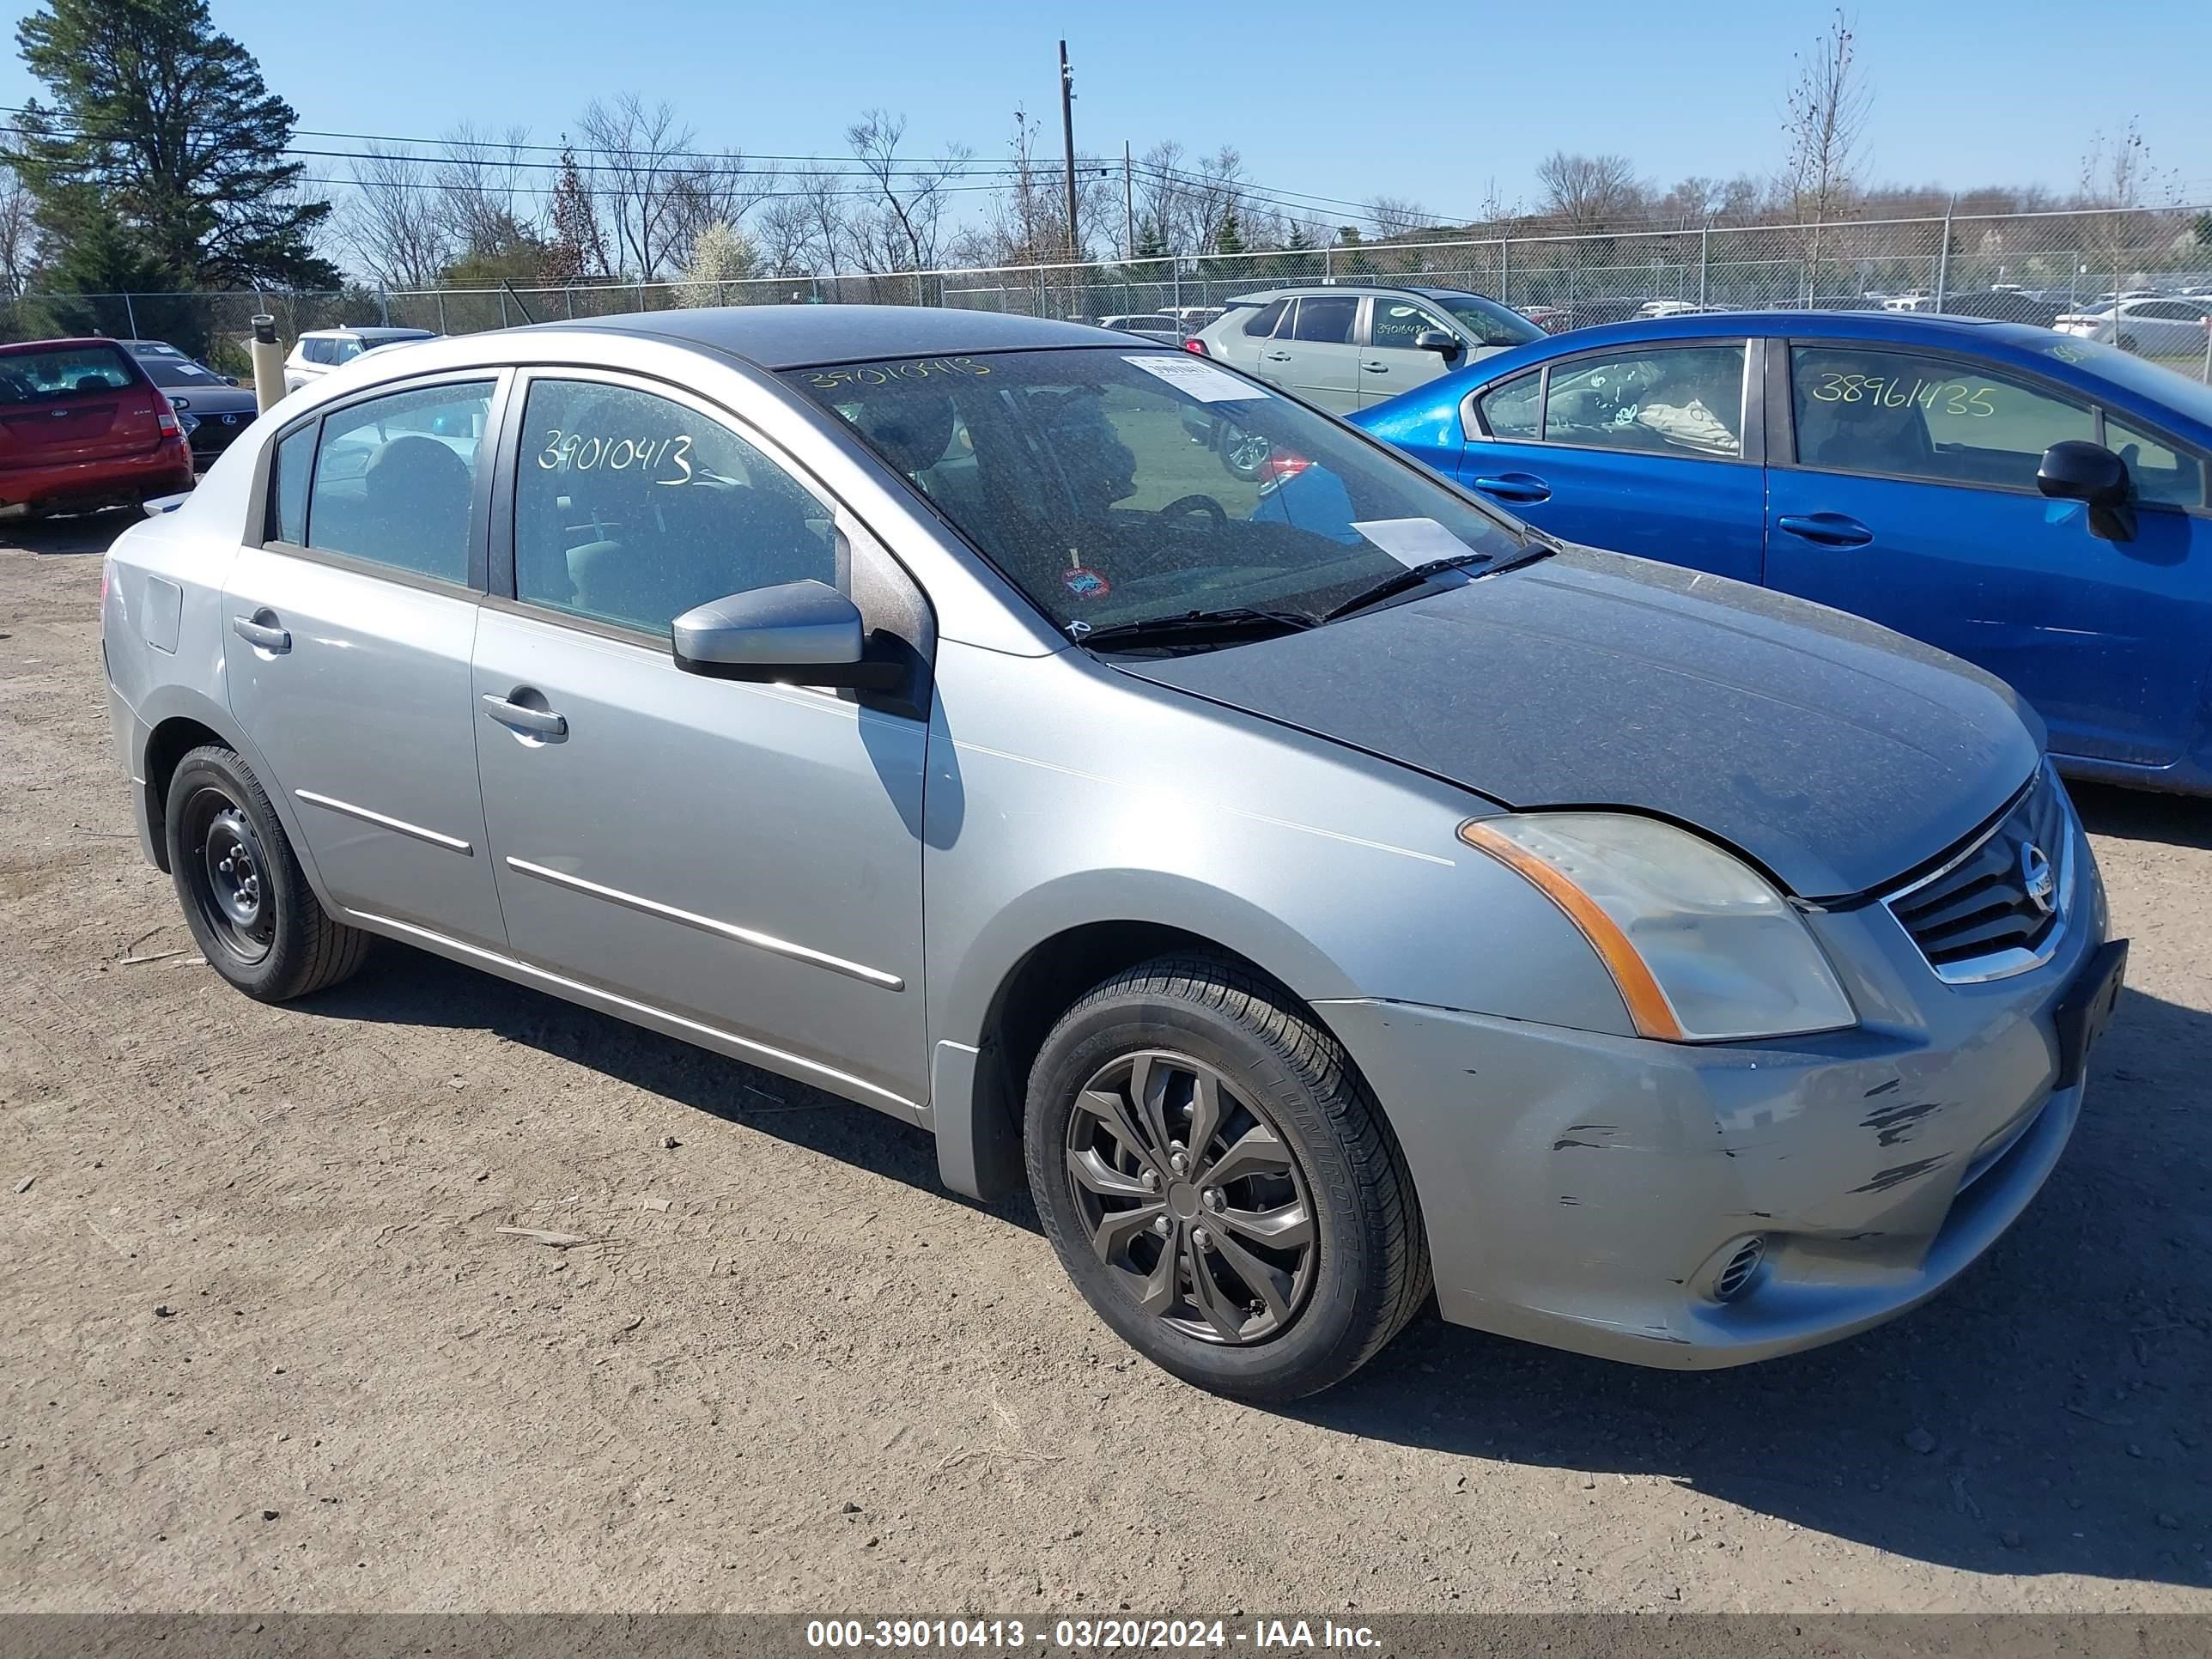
256	920
1368	1269
1243	455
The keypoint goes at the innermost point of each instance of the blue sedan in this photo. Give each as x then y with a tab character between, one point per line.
2033	503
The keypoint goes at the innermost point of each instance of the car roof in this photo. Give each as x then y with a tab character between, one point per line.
802	336
70	344
1289	290
367	331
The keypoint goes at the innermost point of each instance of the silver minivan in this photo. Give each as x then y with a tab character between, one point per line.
1316	888
1344	346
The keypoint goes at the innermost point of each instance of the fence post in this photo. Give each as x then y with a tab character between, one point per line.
1505	270
441	311
502	307
384	305
131	313
1943	258
1328	263
1705	262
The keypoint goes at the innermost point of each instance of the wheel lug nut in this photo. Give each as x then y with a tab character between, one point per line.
1151	1181
1162	1227
1214	1202
1201	1237
1177	1162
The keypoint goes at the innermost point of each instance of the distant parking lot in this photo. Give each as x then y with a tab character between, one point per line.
252	1252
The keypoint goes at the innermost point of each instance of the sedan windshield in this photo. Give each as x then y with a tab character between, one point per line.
1116	487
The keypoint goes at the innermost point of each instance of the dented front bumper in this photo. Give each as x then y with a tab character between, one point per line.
1585	1191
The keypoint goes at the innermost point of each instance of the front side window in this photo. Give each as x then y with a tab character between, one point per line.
1074	473
1515	411
1398	323
395	479
2164	476
1326	321
1676	400
630	508
1905	416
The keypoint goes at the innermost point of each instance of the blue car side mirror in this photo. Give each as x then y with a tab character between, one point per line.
2078	471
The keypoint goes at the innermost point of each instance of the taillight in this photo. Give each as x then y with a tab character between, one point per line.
166	413
1285	466
1194	343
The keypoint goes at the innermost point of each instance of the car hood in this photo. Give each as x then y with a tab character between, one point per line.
1835	753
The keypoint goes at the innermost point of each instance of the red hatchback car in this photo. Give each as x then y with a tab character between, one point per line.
83	427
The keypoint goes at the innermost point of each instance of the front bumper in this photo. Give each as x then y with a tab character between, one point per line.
1584	1191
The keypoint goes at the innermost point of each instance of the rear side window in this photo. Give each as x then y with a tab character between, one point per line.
1514	411
394	479
1261	324
34	377
295	462
1326	321
1676	400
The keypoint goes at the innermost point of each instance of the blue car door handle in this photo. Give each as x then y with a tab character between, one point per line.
1828	529
1515	487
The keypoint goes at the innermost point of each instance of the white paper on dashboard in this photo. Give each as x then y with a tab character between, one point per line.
1193	374
1414	541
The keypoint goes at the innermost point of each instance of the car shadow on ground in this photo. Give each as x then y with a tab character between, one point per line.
84	533
2045	1415
2139	815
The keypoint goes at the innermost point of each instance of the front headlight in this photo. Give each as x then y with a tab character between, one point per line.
1702	947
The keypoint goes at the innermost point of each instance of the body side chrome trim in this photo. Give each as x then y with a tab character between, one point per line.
614	1002
347	809
767	942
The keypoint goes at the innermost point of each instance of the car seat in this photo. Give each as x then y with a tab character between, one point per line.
415	508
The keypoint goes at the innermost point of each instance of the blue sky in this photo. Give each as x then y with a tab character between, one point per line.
1429	102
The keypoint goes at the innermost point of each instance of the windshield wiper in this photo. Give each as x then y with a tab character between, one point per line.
1227	625
1412	577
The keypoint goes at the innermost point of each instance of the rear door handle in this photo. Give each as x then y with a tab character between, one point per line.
267	636
1375	368
1515	487
1276	357
542	722
1828	529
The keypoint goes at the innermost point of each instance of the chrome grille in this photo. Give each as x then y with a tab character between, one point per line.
1979	915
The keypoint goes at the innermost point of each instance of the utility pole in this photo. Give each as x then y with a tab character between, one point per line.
1067	136
1128	200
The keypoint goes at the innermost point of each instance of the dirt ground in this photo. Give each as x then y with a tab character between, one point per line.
262	1346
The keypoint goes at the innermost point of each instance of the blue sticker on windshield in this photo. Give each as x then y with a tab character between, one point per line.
1085	583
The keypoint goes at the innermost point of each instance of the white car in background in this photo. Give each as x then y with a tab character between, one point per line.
319	350
2152	326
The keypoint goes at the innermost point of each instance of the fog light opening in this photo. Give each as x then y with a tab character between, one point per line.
1742	1267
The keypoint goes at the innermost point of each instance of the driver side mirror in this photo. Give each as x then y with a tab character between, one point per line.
1444	343
2078	471
803	633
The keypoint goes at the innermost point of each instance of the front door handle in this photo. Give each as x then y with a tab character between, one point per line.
1375	368
1515	487
1827	529
541	722
266	634
1276	357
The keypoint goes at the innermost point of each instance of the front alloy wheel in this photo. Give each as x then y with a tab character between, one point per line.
1191	1198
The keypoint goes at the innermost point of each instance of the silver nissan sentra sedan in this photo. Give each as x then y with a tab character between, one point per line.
1314	894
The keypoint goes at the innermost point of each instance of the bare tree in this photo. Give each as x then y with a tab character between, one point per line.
393	222
19	231
1396	216
2118	174
653	192
905	227
479	184
1590	192
1826	118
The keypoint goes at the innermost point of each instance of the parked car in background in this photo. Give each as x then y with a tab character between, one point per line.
82	425
1342	345
319	351
2033	503
212	408
1158	326
1669	308
2149	326
1303	904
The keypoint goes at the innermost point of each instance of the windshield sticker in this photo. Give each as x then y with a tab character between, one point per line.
1085	583
1191	374
1414	541
920	369
666	460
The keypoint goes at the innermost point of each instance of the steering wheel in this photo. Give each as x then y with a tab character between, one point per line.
1196	503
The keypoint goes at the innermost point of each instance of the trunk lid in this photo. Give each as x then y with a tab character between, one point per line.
74	401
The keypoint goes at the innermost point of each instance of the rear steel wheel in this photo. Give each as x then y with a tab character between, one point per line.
226	874
1191	1198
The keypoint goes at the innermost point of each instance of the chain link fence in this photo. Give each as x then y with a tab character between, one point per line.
2029	268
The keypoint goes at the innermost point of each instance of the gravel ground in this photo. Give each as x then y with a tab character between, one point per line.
262	1346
